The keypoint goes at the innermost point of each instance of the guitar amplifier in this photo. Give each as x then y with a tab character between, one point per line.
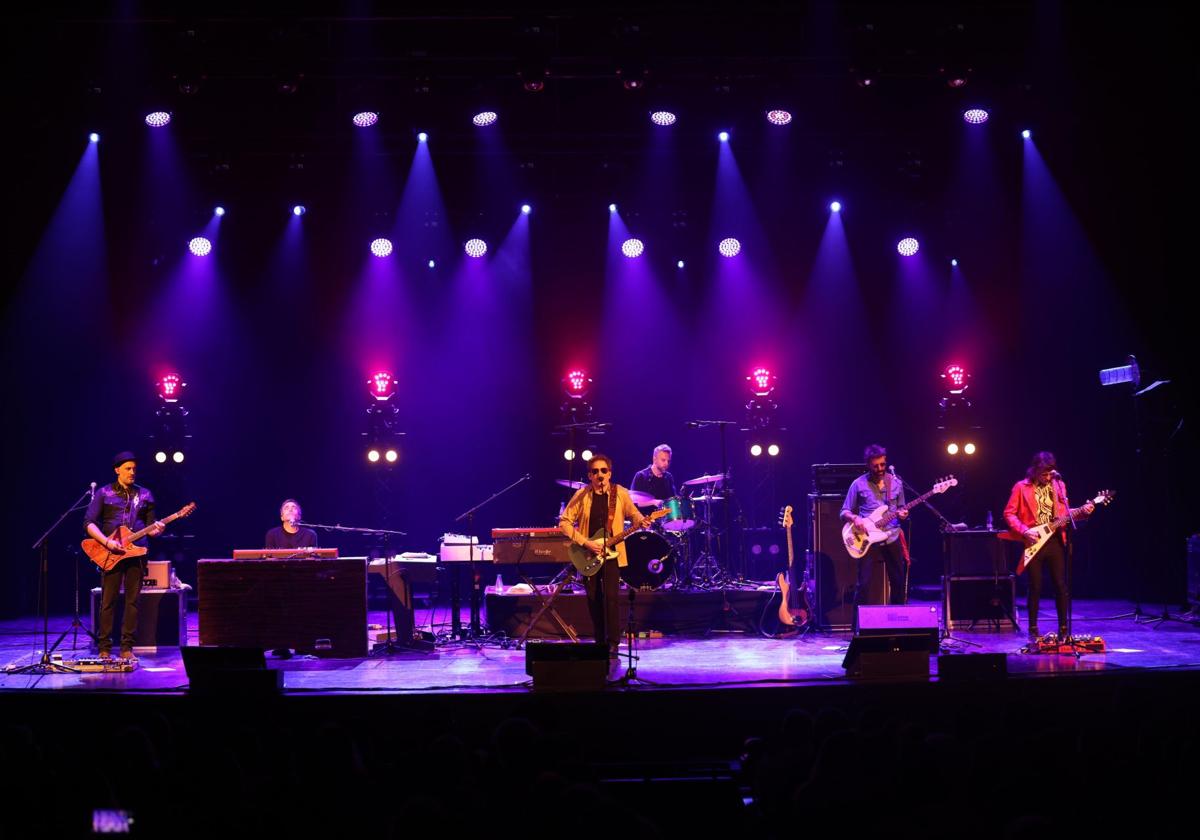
975	598
835	572
157	574
833	479
162	616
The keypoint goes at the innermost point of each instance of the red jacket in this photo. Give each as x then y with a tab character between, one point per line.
1020	513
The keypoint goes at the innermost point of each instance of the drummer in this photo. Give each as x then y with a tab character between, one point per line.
655	481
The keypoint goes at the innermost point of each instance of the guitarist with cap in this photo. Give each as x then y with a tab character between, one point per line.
597	513
1040	498
121	503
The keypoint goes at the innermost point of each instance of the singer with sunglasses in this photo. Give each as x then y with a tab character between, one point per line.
612	506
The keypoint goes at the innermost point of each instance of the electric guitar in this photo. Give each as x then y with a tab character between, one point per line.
857	544
587	563
800	615
106	559
1048	530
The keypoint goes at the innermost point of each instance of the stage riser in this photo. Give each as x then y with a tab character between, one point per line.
667	612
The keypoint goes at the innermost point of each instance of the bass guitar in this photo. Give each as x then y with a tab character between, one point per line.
858	542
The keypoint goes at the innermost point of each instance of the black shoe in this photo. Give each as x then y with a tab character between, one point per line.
1034	635
282	653
104	653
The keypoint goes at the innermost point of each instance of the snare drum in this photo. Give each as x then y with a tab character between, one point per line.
681	516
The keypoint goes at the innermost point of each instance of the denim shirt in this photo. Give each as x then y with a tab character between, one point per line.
113	505
863	497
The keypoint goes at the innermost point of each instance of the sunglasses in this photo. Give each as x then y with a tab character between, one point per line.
600	471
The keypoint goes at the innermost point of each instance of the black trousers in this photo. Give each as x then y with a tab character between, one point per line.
129	572
605	608
1051	558
891	557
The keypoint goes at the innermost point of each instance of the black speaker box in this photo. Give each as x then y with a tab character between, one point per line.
901	655
972	666
973	553
766	552
567	666
835	572
971	600
221	670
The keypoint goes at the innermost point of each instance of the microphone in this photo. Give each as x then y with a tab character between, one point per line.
93	489
1056	474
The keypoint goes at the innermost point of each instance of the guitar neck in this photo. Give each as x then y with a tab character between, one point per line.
139	534
916	501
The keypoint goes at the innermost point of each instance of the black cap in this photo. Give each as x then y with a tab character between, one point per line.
121	457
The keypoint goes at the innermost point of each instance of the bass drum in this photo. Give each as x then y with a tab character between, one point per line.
651	561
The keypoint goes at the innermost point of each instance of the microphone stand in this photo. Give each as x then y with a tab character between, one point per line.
388	646
469	515
44	665
947	527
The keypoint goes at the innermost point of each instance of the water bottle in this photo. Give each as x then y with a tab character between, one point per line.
499	590
989	521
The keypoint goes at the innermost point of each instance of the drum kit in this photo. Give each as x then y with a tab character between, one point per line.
661	556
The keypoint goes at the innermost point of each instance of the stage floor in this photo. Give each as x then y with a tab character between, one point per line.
719	659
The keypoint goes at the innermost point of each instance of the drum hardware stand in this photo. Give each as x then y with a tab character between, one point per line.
44	665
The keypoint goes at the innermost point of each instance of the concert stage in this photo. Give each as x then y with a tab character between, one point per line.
724	732
721	656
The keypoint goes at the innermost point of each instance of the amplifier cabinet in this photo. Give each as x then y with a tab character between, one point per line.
162	616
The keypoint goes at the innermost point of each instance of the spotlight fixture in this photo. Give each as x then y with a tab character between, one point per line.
908	246
779	117
975	116
663	118
299	210
200	246
485	118
729	247
158	119
632	248
475	248
365	119
382	385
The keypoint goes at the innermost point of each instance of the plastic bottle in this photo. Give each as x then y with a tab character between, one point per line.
499	585
989	521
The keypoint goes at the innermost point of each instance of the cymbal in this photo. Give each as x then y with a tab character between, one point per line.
574	485
708	498
644	499
716	478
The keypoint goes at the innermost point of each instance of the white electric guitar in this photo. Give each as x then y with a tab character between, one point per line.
1048	530
858	542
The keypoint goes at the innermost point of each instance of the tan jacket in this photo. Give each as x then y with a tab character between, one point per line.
575	521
